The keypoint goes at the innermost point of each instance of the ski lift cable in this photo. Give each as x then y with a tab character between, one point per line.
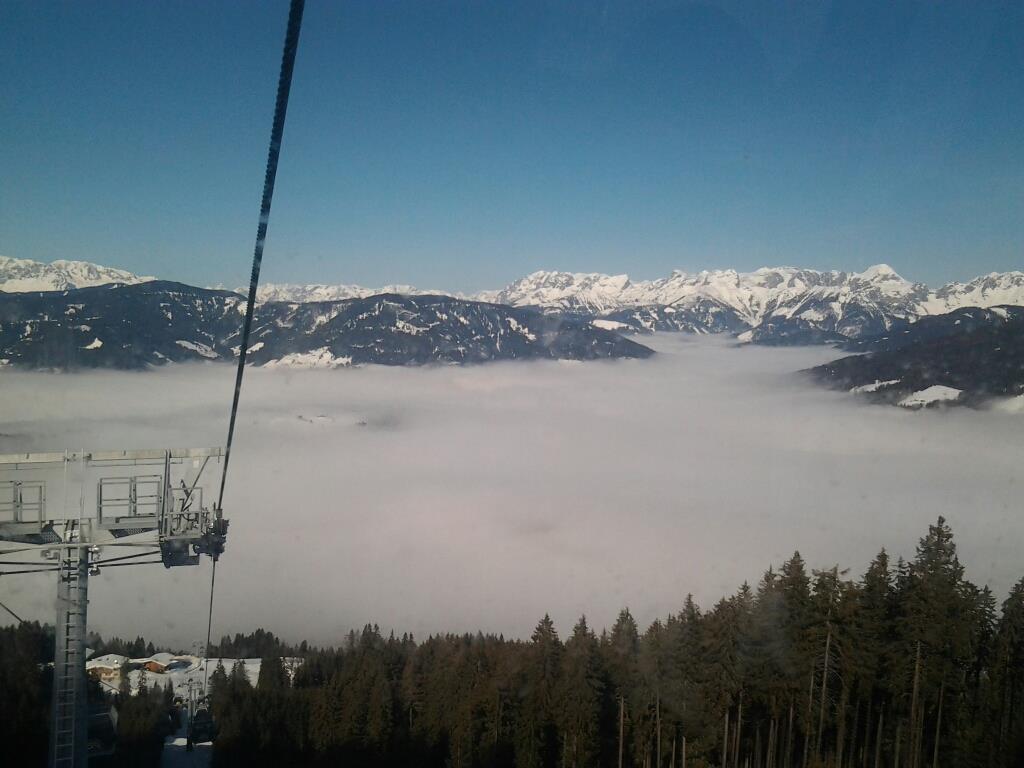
32	569
106	563
122	565
16	616
284	85
106	545
98	565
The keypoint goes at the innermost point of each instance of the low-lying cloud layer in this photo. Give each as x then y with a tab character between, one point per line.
482	497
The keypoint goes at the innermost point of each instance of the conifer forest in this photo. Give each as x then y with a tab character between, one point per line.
909	665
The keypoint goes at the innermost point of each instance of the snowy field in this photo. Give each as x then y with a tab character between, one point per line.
178	680
461	498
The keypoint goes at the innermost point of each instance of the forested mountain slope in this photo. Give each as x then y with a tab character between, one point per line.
152	323
969	356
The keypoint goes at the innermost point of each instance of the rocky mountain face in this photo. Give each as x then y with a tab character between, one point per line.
992	290
781	305
25	275
585	293
137	326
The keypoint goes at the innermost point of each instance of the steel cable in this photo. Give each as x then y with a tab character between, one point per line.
284	85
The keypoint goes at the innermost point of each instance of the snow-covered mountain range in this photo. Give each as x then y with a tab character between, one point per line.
771	305
22	275
961	344
299	294
768	305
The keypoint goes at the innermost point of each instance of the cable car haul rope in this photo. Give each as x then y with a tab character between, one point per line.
284	85
143	501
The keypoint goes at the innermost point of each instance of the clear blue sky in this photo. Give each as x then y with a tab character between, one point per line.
461	145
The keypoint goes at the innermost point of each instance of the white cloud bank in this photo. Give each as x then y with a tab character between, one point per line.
482	497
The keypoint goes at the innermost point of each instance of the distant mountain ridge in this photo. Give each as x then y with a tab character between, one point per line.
20	275
156	322
914	350
297	293
771	305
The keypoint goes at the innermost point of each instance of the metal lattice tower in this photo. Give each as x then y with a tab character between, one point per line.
69	719
71	507
143	498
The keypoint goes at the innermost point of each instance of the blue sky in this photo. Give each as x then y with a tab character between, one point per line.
461	145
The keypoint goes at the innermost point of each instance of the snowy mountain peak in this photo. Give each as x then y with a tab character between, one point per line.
543	279
879	272
23	275
885	278
577	291
712	276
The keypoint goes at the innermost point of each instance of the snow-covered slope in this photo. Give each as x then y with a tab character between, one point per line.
751	294
297	293
583	292
991	290
772	304
182	669
23	275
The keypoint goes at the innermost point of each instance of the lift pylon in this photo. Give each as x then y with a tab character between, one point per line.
69	715
68	507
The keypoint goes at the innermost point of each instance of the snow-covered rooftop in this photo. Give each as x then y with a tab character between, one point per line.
106	661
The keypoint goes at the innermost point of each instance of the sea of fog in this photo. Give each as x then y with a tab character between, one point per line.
464	498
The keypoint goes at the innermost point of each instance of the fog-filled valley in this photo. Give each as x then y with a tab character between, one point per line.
482	497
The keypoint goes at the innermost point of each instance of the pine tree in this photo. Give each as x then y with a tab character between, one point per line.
218	688
720	671
688	644
580	695
272	676
622	652
537	739
764	652
1008	668
238	680
936	632
124	686
326	713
